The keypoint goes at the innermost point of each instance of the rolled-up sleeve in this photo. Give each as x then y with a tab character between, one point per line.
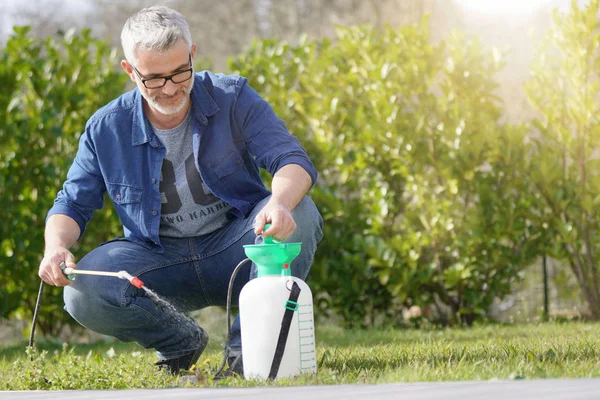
266	135
83	191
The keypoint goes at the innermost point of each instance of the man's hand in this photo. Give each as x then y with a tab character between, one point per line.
279	216
50	271
290	184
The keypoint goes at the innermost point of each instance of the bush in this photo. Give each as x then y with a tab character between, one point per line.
420	187
565	161
50	88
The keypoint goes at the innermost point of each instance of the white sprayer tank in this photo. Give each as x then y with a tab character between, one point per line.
262	306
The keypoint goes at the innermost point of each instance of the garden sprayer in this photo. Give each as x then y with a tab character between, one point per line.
276	312
276	315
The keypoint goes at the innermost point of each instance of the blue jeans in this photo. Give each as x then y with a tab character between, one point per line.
191	274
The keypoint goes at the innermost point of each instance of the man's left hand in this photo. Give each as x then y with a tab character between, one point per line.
279	216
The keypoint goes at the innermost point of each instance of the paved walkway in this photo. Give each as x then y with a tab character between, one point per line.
550	389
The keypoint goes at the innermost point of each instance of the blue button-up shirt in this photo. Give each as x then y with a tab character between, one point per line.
235	132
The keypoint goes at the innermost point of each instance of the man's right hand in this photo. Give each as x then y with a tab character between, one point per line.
50	271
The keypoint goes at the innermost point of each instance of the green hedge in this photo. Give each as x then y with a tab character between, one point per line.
49	89
420	184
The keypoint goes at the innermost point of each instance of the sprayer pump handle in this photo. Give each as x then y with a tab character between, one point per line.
268	239
62	266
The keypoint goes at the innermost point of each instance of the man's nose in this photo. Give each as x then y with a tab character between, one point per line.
170	88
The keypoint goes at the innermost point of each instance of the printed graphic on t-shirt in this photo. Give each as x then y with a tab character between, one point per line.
200	209
188	207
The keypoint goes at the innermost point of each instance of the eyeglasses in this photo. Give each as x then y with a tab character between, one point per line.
160	81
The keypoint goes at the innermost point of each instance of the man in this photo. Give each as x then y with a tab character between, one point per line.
179	157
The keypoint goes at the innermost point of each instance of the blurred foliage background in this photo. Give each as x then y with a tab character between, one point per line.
437	197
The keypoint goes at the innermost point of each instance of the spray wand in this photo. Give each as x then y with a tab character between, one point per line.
72	271
121	274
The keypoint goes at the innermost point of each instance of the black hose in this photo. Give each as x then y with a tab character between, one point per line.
35	314
229	292
38	304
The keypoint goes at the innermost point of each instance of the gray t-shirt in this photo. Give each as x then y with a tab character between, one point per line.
188	207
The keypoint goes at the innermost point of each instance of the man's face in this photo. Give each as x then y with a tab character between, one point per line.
172	97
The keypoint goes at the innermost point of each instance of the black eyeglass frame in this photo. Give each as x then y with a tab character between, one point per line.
165	78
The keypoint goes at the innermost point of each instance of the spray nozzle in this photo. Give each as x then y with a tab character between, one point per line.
134	280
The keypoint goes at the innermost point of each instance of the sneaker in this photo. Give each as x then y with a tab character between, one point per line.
185	362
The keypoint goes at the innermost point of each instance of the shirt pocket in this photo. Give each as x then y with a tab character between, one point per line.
124	194
128	204
228	164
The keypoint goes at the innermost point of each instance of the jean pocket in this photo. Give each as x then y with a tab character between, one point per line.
119	239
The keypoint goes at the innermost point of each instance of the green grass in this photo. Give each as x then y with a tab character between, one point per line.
551	350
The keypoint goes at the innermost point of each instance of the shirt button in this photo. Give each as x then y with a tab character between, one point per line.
118	196
153	180
154	213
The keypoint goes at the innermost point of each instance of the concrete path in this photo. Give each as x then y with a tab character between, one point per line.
550	389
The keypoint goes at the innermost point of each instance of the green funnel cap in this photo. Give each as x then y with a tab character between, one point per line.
272	257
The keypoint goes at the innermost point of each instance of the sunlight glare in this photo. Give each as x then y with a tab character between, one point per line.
502	7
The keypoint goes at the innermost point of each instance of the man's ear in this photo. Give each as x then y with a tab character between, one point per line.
128	69
193	51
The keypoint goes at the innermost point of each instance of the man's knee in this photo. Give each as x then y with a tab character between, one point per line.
308	221
88	306
79	305
309	231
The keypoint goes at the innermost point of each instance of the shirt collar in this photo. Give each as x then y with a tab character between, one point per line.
203	106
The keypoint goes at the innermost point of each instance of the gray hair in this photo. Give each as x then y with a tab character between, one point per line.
155	28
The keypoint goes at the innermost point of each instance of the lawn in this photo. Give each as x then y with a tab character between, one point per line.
549	350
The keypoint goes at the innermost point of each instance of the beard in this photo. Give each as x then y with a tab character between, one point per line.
154	101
